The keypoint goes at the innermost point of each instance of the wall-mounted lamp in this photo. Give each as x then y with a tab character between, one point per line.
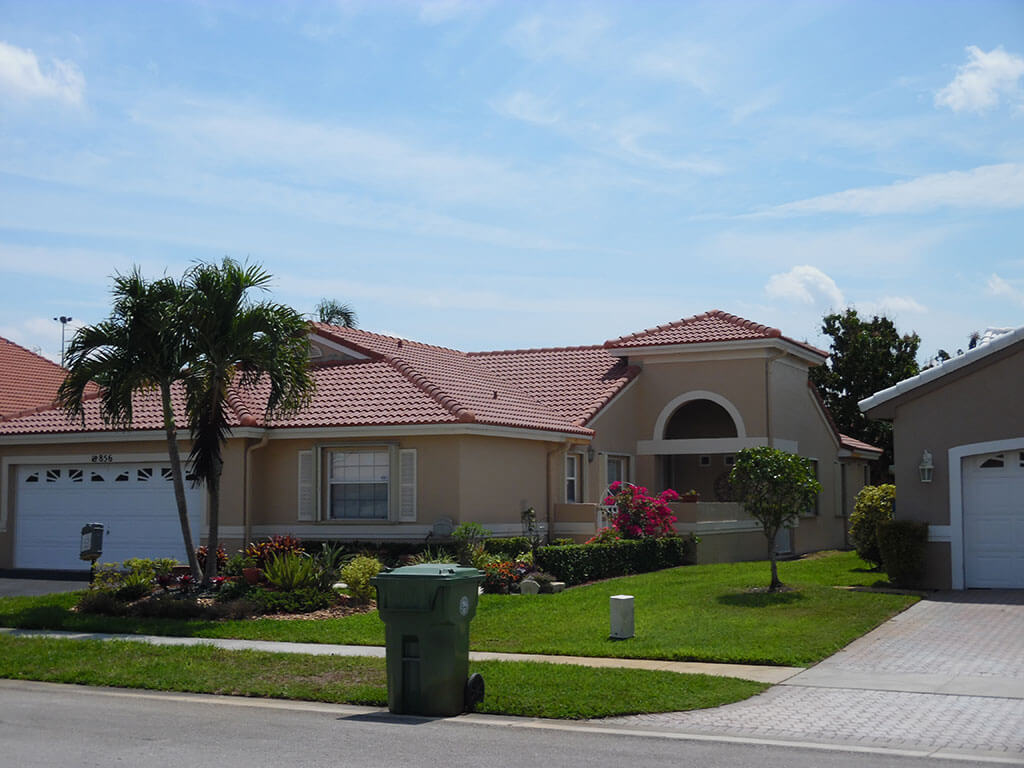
591	453
926	467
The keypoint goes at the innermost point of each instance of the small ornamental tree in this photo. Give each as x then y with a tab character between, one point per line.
774	487
639	515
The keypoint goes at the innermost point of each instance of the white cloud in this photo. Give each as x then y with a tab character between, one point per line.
572	39
525	106
988	186
682	63
22	77
998	286
983	81
805	284
891	306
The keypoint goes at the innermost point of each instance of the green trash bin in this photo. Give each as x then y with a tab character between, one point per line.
426	610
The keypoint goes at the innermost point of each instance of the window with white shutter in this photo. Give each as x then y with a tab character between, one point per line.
306	506
407	485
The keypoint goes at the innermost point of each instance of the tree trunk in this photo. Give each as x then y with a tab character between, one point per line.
179	481
774	586
213	537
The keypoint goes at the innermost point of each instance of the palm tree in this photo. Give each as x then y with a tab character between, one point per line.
235	343
333	312
138	347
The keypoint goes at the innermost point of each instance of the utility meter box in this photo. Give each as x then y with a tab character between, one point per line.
426	610
92	542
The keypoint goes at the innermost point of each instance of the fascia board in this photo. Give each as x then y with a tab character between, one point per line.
119	436
702	348
955	364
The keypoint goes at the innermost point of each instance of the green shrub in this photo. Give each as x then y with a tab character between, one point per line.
428	555
469	541
328	562
563	542
135	584
238	563
150	568
232	589
902	547
874	505
290	571
170	607
575	564
304	600
357	575
101	602
507	548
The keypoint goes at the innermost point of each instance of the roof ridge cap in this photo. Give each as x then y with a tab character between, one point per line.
418	380
525	350
400	339
242	412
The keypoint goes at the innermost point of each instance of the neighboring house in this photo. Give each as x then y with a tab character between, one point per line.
959	462
27	381
403	440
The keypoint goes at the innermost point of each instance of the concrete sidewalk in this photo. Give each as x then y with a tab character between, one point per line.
772	675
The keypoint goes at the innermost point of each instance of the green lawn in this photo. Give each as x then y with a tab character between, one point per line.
701	613
513	688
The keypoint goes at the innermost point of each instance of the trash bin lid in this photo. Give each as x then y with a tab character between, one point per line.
432	572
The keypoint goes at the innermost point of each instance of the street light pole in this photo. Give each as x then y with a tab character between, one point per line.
63	320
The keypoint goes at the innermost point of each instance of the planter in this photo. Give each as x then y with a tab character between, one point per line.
252	575
689	498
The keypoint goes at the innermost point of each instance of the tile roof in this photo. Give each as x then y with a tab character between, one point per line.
857	445
845	441
712	326
403	382
27	381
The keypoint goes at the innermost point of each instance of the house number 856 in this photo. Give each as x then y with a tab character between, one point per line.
102	458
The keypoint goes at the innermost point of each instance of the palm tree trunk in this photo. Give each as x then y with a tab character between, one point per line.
179	482
213	510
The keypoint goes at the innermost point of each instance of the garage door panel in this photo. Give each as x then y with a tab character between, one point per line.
993	496
133	501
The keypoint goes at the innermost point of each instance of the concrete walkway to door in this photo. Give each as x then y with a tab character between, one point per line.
946	675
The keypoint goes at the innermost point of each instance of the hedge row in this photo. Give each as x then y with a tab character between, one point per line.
508	548
901	544
589	562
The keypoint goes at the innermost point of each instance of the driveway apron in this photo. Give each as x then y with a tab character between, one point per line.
946	675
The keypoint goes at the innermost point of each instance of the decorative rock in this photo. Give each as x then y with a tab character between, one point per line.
621	610
528	587
557	586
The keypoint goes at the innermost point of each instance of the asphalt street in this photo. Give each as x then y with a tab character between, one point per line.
49	725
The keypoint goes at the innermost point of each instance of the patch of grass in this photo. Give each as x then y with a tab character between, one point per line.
513	688
697	613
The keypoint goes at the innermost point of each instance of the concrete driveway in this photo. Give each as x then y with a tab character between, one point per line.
946	675
18	587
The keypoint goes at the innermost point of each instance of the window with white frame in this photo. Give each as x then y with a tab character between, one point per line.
359	482
573	487
618	469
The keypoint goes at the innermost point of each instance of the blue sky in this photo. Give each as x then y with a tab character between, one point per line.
489	175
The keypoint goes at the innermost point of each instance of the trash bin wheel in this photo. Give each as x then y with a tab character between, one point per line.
474	691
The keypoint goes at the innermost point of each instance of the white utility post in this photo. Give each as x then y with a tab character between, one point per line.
621	609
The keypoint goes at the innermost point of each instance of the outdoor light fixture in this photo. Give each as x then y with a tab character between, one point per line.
926	467
590	454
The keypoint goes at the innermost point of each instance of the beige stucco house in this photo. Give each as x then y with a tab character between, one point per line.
959	462
403	440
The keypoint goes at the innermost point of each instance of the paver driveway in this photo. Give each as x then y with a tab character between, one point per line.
947	675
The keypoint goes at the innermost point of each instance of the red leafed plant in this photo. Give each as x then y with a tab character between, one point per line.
264	551
640	515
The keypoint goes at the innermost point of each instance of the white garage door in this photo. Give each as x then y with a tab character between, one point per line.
134	502
994	520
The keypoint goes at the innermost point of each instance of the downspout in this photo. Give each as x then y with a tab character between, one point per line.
246	522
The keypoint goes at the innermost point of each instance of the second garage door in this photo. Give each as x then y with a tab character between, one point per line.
135	503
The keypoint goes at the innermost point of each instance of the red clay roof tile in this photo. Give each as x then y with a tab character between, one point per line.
27	381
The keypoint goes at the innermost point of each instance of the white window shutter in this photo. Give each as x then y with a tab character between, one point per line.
306	507
407	485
